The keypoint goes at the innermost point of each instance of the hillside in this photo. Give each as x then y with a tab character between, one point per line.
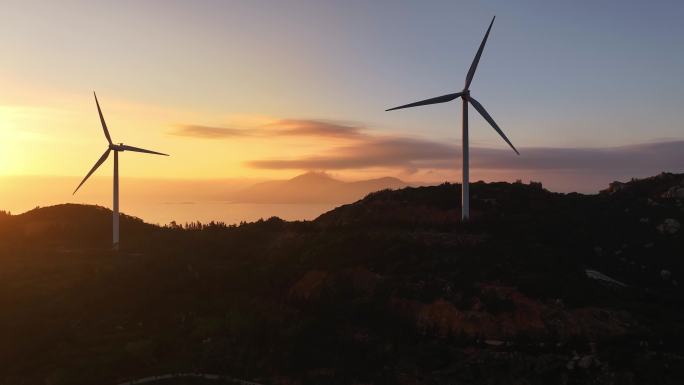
313	187
539	288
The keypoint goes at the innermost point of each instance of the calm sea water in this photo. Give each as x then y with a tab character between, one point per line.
230	213
155	201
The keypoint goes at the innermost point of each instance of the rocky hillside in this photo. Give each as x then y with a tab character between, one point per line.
537	288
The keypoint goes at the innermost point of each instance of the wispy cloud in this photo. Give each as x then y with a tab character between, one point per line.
375	152
411	153
210	132
666	155
280	128
362	149
318	128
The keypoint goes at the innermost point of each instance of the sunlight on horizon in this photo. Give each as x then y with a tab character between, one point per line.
231	98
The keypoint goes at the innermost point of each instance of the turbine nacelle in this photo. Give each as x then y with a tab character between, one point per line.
111	147
467	100
117	148
465	93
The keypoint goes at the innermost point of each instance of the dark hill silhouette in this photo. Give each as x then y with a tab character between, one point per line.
539	287
82	225
313	187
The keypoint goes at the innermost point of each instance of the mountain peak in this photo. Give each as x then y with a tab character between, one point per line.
313	176
314	187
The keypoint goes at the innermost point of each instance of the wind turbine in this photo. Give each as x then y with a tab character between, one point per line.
465	96
116	148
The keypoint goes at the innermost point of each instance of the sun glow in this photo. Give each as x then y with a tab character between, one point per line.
19	133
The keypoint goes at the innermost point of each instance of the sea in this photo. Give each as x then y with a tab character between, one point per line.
226	212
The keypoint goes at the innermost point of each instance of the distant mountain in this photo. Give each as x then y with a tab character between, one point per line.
313	187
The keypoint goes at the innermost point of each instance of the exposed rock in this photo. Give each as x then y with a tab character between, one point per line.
586	362
615	187
597	275
665	275
669	226
676	192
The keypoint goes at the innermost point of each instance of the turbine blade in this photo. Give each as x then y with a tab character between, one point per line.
104	125
92	170
136	149
476	61
439	99
491	121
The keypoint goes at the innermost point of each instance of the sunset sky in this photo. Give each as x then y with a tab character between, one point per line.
589	91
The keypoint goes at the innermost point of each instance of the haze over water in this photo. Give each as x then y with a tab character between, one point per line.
164	200
154	201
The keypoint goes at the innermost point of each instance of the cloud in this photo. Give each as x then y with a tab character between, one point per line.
390	152
567	168
280	128
667	155
210	132
412	154
319	128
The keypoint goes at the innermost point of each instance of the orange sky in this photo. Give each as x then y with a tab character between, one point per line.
53	132
268	90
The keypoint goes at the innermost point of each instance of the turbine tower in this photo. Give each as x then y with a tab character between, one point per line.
465	96
117	148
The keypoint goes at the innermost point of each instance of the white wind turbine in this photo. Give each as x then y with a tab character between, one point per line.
116	148
465	96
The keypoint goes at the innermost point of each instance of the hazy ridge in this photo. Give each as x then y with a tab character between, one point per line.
313	187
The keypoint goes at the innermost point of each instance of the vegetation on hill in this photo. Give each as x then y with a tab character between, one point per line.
537	288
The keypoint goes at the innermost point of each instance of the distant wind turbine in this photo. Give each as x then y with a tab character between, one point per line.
116	148
465	96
